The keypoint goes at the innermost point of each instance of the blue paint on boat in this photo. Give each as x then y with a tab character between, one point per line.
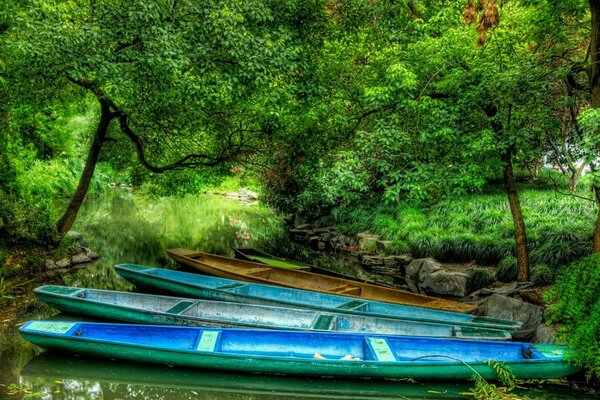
297	351
233	290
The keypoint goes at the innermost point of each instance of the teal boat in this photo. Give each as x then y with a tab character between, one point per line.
300	353
212	288
153	309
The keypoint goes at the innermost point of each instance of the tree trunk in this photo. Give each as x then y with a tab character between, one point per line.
64	224
595	94
519	223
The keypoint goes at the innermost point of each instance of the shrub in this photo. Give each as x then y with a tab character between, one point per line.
479	278
541	275
397	247
576	303
507	269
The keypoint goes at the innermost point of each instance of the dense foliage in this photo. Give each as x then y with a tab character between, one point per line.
576	298
415	119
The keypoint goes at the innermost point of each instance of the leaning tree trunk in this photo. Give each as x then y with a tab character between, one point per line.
510	186
595	95
64	224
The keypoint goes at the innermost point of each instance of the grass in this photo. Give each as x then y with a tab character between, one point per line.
479	228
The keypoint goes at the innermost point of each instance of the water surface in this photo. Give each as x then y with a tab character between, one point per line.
125	227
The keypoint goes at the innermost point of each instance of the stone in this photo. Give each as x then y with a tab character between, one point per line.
249	193
91	254
390	261
383	244
403	259
499	306
50	265
80	259
367	242
446	283
63	263
369	261
533	295
302	227
78	237
544	334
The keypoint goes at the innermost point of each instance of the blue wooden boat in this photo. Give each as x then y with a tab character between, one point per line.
212	288
299	353
153	309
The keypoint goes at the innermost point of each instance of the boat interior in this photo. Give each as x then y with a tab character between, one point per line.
295	344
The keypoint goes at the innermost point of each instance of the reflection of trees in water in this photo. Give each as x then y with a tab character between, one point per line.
127	227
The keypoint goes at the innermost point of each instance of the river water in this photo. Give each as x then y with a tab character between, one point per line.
125	227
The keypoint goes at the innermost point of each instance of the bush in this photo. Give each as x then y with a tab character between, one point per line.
479	278
397	247
576	304
507	269
23	223
541	275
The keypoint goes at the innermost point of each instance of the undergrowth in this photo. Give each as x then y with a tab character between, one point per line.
480	228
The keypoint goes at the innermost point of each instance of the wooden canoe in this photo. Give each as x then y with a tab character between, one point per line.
163	310
299	353
230	268
212	288
250	254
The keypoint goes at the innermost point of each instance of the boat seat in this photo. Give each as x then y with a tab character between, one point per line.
357	305
180	307
258	272
380	349
346	289
207	341
324	322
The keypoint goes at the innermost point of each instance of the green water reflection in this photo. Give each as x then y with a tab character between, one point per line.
124	227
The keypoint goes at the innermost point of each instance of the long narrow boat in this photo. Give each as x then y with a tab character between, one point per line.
299	353
153	309
208	287
257	256
230	268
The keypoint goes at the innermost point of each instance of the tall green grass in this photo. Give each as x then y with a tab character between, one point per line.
479	227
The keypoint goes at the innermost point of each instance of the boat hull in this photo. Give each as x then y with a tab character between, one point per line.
211	288
230	268
261	351
163	310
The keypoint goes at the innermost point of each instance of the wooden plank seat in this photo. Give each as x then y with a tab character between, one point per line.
346	289
258	272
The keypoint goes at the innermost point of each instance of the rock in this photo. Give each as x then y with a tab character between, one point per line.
403	259
447	283
367	242
80	259
249	193
544	334
383	244
51	265
78	237
499	306
302	227
534	296
369	261
91	254
63	263
418	269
